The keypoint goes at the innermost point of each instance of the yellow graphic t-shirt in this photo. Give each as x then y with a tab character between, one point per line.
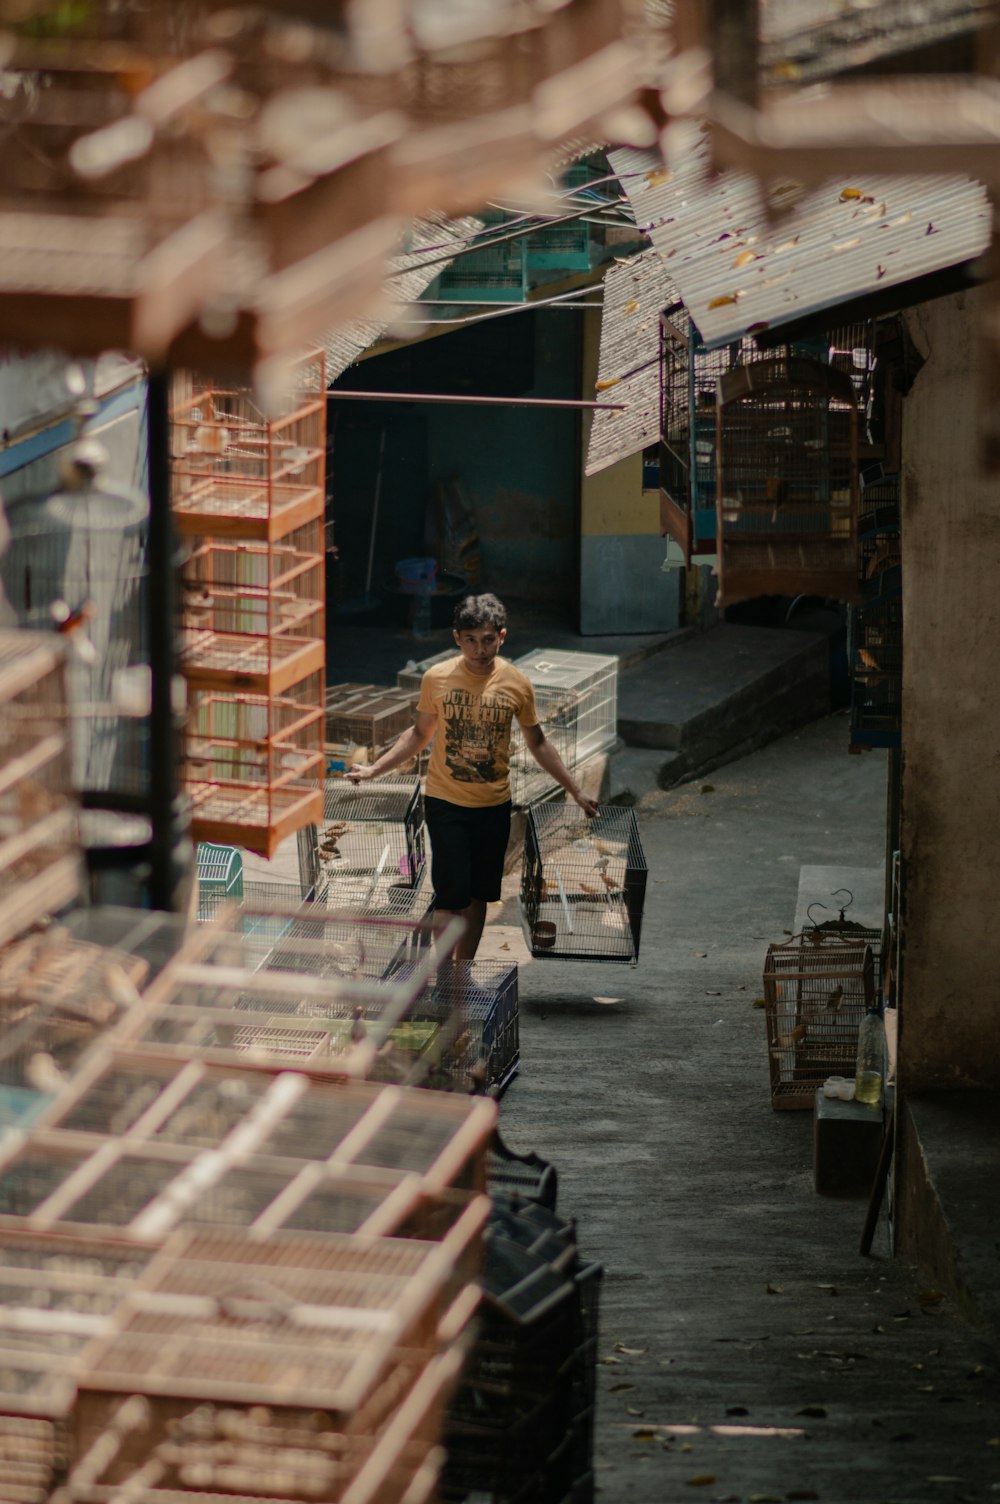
470	752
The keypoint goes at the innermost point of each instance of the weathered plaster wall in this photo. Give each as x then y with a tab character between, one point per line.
950	1024
622	587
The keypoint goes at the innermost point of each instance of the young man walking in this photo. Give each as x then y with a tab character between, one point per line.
467	707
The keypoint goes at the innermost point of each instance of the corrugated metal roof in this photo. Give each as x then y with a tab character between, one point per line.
634	293
802	40
736	272
428	240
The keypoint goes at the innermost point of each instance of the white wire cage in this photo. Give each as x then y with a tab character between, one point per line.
371	845
576	694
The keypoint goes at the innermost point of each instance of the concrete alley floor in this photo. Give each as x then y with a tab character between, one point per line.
747	1351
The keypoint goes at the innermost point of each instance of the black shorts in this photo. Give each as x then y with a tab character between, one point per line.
468	846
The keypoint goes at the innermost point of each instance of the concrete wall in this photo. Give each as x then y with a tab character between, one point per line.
950	1021
622	587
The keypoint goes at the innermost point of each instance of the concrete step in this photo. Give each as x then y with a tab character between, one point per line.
719	694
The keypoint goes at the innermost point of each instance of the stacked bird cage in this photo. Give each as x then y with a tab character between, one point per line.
40	865
371	844
244	1148
254	764
411	677
583	884
817	987
787	480
249	497
211	1338
577	699
363	721
875	623
689	378
306	998
521	1426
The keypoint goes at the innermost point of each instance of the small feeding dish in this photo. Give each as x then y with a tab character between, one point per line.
543	935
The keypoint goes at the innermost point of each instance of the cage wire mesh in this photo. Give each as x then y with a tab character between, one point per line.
787	480
77	562
817	987
462	1033
371	843
577	699
40	867
583	884
875	622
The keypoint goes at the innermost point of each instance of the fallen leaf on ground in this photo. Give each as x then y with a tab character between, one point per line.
931	1297
708	788
737	1410
644	1433
701	953
618	1388
775	1289
633	1352
815	1412
631	1410
758	1002
700	1479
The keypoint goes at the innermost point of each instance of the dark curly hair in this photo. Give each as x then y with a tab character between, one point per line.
475	611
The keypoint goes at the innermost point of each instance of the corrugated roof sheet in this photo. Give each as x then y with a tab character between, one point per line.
736	272
634	293
802	40
418	266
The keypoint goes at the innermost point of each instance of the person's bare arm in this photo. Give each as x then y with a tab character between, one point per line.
548	758
410	744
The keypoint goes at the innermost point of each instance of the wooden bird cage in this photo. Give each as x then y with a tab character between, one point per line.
363	721
253	764
265	1150
218	1320
689	376
583	884
40	864
787	480
240	474
817	988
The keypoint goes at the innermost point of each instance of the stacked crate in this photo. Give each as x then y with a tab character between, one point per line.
577	699
363	721
249	500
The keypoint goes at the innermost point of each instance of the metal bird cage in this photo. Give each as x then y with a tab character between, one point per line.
77	563
239	474
817	988
689	376
253	765
371	843
363	721
583	884
482	996
252	612
40	864
577	699
787	480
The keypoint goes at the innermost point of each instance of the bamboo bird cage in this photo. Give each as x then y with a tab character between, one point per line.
817	988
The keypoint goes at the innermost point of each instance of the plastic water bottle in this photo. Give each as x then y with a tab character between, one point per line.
871	1060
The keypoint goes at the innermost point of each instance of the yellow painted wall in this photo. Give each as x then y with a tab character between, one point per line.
611	502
